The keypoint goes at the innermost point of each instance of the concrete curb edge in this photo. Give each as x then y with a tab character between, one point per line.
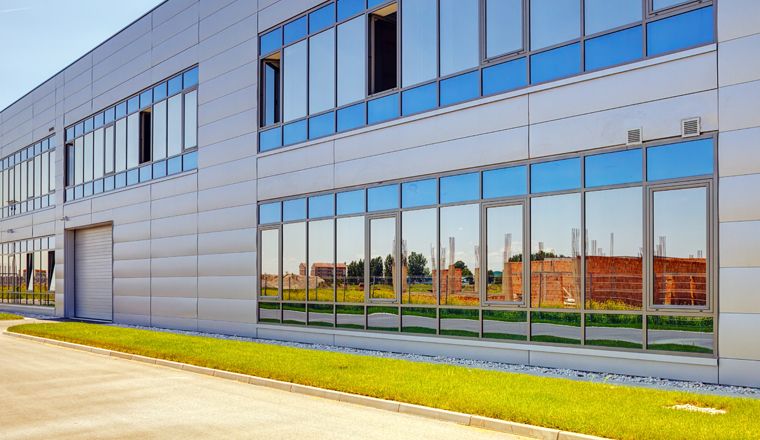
535	432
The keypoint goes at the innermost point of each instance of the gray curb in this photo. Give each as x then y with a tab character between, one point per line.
519	429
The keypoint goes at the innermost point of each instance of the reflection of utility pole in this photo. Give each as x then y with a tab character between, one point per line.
612	244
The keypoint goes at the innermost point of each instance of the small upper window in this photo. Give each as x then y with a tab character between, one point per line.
383	49
270	92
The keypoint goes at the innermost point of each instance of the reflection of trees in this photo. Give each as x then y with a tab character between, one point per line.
389	266
417	265
356	269
467	273
376	267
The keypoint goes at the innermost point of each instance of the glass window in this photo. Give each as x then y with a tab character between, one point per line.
146	99
553	22
268	312
294	210
270	261
191	119
559	175
293	314
294	30
351	117
133	105
98	156
271	41
615	48
555	63
88	156
419	274
383	319
322	71
459	254
321	315
420	193
347	8
504	253
504	27
680	160
460	322
159	169
382	264
190	78
174	126
602	15
680	333
419	42
109	155
419	320
506	325
662	4
132	177
78	164
133	140
614	330
146	173
460	35
383	49
460	88
505	76
269	213
350	267
349	317
505	182
382	198
189	161
680	247
321	18
321	206
556	328
321	260
159	93
681	31
175	85
271	93
352	68
294	262
614	253
555	268
323	125
613	168
293	133
460	188
383	109
294	82
419	99
159	131
351	202
270	139
45	175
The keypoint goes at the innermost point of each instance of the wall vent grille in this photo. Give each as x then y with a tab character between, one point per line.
691	127
635	136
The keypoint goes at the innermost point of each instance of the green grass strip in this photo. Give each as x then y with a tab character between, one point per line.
9	317
616	412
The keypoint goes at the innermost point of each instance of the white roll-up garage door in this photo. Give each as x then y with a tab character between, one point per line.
93	267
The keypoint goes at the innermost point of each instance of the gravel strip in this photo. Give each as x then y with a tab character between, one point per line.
585	376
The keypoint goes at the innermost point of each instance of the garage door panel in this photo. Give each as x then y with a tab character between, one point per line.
93	259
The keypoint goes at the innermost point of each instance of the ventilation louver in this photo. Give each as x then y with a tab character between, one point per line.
691	127
635	136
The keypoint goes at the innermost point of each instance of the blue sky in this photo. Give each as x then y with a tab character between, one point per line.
38	38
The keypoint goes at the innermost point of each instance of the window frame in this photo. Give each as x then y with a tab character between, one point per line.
485	205
395	214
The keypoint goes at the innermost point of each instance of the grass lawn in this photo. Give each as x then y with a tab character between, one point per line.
9	317
591	408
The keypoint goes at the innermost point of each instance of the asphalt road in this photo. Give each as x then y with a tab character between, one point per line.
56	393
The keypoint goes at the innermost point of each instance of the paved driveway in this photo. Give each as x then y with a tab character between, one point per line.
56	393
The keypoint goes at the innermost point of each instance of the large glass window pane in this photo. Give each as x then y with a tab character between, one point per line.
159	131
351	202
420	193
459	255
504	253
614	252
37	176
555	268
460	322
109	155
419	99
322	71
504	27
294	210
98	155
382	264
383	109
614	330
505	182
45	175
352	67
505	76
609	14
271	41
460	88
351	117
88	156
322	206
269	213
554	21
555	63
680	160
321	315
383	319
294	82
321	18
382	198
507	325
270	262
350	252
347	8
78	162
294	30
18	179
419	41
191	119
680	333
418	320
174	126
269	313
556	328
294	262
133	140
461	188
294	314
681	31
613	168
460	35
418	229
617	48
559	175
350	317
322	260
680	247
